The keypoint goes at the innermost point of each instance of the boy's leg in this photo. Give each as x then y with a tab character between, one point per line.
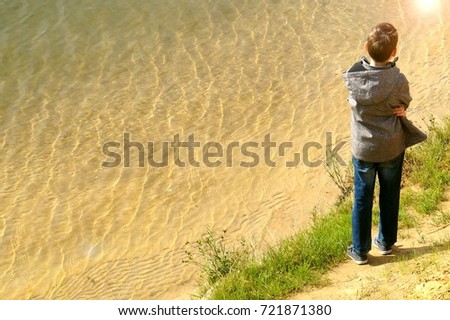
364	183
390	176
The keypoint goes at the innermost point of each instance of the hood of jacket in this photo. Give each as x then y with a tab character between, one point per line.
372	85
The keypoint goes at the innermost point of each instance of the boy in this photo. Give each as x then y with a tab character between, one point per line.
380	133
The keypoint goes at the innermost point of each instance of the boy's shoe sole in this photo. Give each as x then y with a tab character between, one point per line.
383	249
357	258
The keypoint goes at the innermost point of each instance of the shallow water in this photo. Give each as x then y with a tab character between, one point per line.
78	75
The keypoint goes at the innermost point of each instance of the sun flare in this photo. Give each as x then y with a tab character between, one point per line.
428	5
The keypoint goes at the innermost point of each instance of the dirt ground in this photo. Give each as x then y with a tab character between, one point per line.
417	269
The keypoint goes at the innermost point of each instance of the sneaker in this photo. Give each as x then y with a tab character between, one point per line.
358	258
381	247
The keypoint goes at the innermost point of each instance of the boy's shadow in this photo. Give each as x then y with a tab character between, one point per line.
402	253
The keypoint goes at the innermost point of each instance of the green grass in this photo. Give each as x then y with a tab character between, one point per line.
407	220
428	167
296	262
214	258
302	260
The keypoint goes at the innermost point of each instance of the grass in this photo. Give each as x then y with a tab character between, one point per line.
298	261
301	260
427	166
215	260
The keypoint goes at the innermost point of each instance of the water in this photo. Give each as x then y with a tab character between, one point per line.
77	75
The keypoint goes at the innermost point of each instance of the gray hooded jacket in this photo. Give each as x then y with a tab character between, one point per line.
377	134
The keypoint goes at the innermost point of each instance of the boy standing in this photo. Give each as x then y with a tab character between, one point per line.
380	133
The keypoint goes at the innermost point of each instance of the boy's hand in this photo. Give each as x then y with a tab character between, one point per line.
400	111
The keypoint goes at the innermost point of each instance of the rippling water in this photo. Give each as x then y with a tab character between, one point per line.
76	75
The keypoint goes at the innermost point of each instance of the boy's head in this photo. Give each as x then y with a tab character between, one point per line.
382	42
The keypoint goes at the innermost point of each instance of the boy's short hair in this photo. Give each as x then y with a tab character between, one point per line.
382	40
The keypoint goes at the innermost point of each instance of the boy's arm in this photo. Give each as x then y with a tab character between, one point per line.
404	98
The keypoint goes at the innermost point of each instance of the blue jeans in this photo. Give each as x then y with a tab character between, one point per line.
389	177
